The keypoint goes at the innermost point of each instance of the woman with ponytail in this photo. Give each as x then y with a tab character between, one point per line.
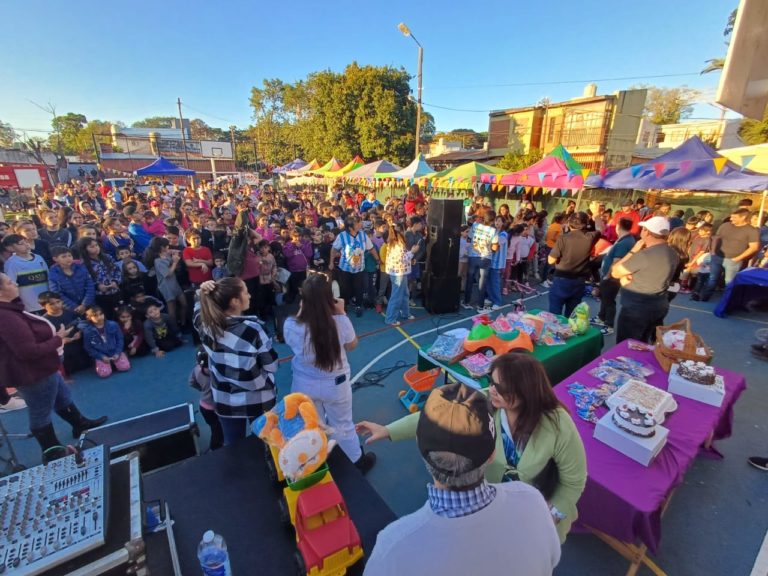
320	336
241	359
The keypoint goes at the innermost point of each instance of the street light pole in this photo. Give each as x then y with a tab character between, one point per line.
407	32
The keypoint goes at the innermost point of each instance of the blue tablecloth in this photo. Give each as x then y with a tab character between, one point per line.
747	285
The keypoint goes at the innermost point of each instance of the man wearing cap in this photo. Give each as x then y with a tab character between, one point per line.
645	273
467	526
626	211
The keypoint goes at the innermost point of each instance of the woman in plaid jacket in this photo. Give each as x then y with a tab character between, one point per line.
241	359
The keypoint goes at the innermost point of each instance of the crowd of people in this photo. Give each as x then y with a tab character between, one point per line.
95	277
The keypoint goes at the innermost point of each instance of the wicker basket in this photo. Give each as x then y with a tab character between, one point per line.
693	342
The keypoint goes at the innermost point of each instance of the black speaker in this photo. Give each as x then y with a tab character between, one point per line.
441	294
444	237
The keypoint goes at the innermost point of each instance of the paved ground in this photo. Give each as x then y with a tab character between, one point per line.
715	524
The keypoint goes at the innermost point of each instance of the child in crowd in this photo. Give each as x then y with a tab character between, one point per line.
265	298
524	249
103	341
160	332
133	331
200	379
139	301
124	256
498	264
696	274
72	354
105	274
297	252
165	261
71	281
219	266
198	259
117	235
133	280
27	269
321	251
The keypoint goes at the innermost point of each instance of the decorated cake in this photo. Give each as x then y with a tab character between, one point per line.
653	400
635	420
697	372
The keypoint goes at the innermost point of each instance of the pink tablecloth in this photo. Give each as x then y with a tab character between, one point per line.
624	498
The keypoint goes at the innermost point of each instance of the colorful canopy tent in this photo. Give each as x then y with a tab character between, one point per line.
463	176
356	162
691	166
313	165
292	165
331	166
163	167
753	157
415	169
371	169
556	170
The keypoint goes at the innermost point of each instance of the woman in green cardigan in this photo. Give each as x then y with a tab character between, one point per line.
538	443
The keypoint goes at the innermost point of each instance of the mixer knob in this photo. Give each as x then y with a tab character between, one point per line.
16	562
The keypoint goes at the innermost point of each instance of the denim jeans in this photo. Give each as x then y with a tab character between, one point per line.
398	307
494	286
477	267
609	290
720	264
565	294
235	429
43	397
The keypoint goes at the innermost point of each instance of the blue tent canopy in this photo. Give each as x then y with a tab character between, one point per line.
292	165
691	166
163	167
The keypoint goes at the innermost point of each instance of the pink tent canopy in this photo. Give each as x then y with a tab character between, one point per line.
549	172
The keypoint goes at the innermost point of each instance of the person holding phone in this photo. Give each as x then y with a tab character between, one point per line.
320	336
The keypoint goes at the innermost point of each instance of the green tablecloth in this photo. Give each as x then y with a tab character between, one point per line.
559	361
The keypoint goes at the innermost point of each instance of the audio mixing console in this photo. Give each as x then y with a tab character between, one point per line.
52	513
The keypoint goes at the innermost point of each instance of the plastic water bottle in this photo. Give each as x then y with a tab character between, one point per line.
213	556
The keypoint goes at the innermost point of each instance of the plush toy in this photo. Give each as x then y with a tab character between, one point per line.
293	428
579	320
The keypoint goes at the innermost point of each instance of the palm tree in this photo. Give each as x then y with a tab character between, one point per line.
714	64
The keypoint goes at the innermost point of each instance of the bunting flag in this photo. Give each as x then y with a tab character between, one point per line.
542	175
685	165
519	189
635	169
658	168
585	173
745	160
571	174
719	163
563	192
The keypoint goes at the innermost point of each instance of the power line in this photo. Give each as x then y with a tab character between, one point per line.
557	82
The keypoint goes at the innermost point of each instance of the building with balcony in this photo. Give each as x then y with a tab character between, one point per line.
599	131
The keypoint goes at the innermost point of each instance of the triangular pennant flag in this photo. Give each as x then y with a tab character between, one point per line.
635	169
684	165
563	192
519	189
571	174
658	168
719	163
745	160
585	173
542	175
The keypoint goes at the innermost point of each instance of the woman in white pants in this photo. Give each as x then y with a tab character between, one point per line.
319	336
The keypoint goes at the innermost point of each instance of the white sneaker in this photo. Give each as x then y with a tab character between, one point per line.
13	404
546	283
495	307
467	306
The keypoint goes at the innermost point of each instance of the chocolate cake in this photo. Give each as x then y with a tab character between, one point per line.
635	420
697	372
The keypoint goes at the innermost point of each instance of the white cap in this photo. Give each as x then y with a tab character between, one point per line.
208	536
658	225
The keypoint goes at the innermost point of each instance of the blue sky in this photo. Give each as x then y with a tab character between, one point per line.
129	60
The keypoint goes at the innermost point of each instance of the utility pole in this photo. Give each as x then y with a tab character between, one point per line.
184	142
255	156
234	149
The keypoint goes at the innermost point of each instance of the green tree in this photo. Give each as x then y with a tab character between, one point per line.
427	127
67	130
714	64
199	130
7	135
754	131
514	161
468	137
668	105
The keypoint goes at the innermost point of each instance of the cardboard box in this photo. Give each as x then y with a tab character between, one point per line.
642	450
712	395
